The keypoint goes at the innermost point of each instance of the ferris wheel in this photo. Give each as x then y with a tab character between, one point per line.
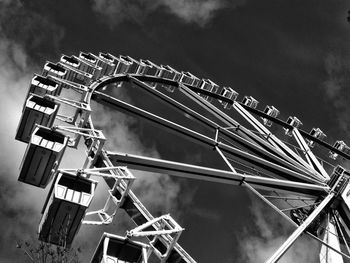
297	173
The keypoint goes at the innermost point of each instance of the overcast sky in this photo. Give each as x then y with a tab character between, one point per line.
292	54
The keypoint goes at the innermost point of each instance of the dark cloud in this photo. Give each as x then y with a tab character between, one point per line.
199	12
35	32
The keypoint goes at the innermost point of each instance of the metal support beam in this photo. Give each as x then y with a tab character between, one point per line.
287	244
310	156
266	167
213	175
233	135
291	157
271	137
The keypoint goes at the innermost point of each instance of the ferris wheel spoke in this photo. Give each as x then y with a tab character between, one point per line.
214	175
292	238
252	147
309	155
266	166
338	224
227	133
314	165
291	157
332	239
305	134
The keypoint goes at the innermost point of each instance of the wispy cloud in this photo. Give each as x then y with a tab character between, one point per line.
38	35
268	233
20	204
337	66
199	12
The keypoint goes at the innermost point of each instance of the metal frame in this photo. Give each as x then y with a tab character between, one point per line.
280	169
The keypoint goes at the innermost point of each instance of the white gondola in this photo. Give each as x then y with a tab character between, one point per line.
186	78
229	93
67	72
208	85
71	61
250	102
270	111
117	249
106	62
134	65
189	79
294	122
88	63
37	110
90	58
55	70
168	73
341	146
42	85
65	207
42	156
149	69
122	65
318	134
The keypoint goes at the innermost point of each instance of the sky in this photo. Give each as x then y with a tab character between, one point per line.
291	54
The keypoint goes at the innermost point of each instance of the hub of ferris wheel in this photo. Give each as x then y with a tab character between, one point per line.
311	193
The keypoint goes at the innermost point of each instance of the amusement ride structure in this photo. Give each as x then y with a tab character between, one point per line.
297	173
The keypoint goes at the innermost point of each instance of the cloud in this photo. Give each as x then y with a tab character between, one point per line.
268	233
38	35
18	202
337	66
199	12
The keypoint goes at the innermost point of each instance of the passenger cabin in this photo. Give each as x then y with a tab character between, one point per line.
270	111
149	69
117	249
318	134
208	85
55	70
106	62
229	93
196	81
188	78
341	146
76	75
64	209
122	66
71	61
294	122
43	85
37	111
42	156
250	102
88	57
88	64
134	65
67	72
167	72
